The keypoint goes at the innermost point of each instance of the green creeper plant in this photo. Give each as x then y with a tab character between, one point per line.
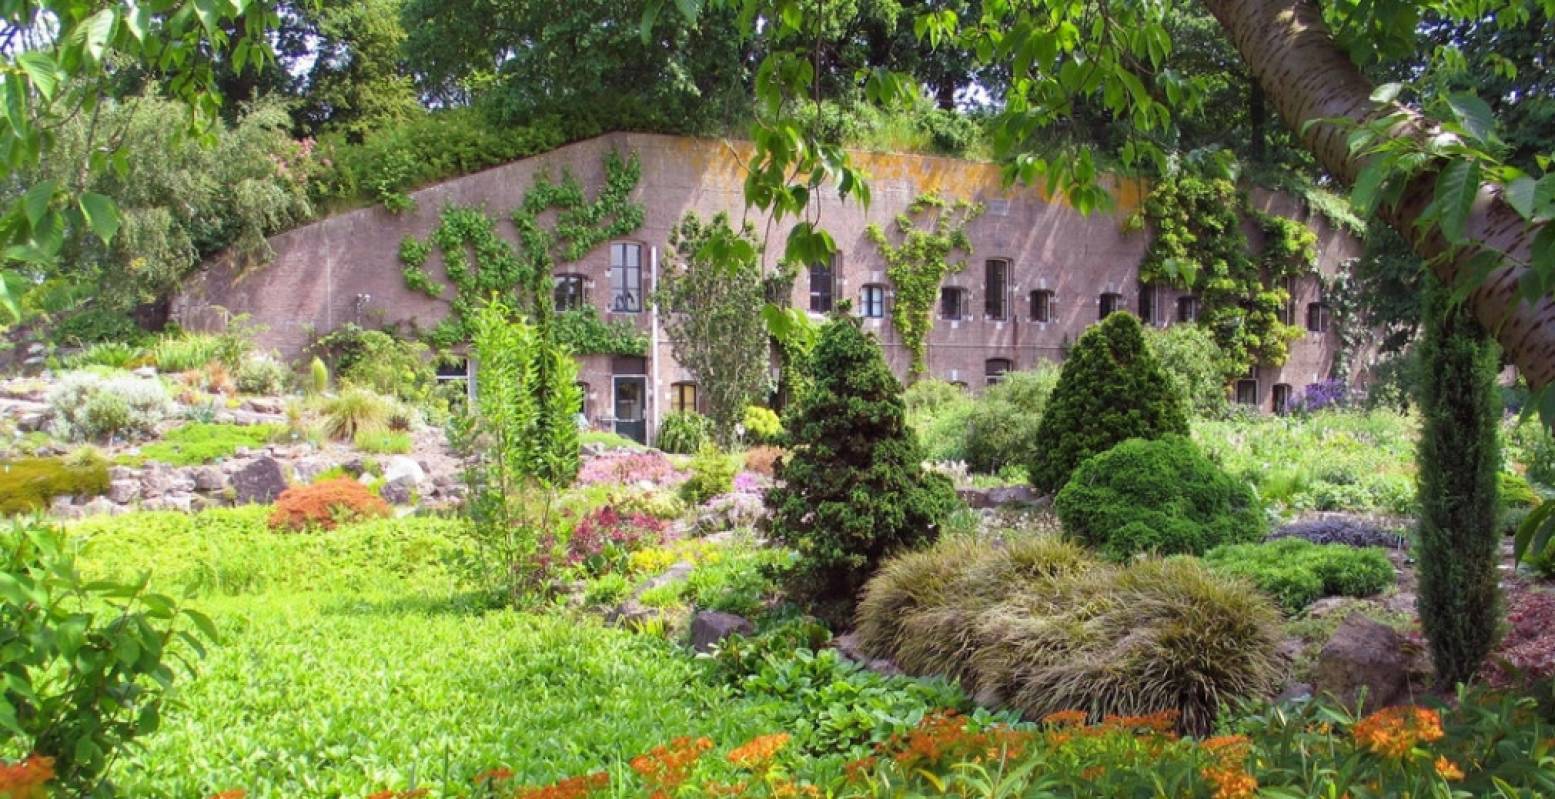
525	400
1459	460
853	489
918	265
1112	389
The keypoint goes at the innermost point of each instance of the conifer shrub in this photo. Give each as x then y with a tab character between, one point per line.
1111	389
852	489
1038	625
325	504
1296	572
1161	497
683	432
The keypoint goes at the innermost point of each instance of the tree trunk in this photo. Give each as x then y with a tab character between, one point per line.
1292	54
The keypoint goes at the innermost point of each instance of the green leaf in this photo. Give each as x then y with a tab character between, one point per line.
1364	194
41	70
1387	92
650	14
96	31
1519	194
1456	187
35	203
101	215
1473	114
1533	535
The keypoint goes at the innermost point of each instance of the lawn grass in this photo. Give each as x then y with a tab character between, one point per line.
351	661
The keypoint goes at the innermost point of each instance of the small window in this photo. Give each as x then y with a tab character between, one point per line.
823	282
1110	304
1147	303
1317	317
1282	398
1041	305
1247	392
952	302
568	293
453	369
961	384
872	301
583	398
626	278
1287	313
1187	309
994	369
683	397
996	275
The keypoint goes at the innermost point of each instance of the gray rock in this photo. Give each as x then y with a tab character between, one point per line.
98	506
399	467
123	491
309	468
61	503
181	482
250	417
998	496
262	480
155	481
847	645
122	473
710	627
269	405
209	478
398	492
1296	691
1364	657
145	371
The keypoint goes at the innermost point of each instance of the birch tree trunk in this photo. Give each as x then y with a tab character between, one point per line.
1307	76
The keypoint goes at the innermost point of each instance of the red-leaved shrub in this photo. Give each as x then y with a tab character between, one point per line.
325	503
1527	653
762	460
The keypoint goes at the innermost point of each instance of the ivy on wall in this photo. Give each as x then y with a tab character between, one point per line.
499	268
918	265
1342	292
1200	247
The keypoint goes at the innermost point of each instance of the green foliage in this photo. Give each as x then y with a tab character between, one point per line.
112	354
1158	496
184	352
762	426
1515	491
195	443
318	375
96	326
376	360
711	283
918	265
261	374
739	581
355	411
1112	389
1195	365
88	666
382	442
1459	459
712	473
1199	246
852	490
583	332
1042	626
29	484
88	406
938	412
523	415
579	225
683	432
1296	572
1000	431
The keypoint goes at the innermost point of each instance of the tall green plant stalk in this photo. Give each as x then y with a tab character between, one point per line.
1459	459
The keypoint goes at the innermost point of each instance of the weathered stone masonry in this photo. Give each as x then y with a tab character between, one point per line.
346	268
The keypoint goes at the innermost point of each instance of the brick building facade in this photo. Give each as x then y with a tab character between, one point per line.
1040	274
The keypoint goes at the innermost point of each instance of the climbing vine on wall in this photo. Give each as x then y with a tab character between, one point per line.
918	265
1199	246
1342	292
499	268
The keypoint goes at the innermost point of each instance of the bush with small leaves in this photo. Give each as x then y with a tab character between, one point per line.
712	473
1157	496
762	425
683	432
261	374
89	405
28	485
1296	572
325	504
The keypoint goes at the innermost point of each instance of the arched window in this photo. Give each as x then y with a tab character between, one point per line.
568	294
872	301
952	302
994	369
626	277
1041	305
683	396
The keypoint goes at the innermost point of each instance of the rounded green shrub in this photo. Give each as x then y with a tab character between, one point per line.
30	484
852	489
712	473
683	432
1517	492
1162	497
1111	389
762	425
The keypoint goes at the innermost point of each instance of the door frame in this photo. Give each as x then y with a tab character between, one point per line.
615	391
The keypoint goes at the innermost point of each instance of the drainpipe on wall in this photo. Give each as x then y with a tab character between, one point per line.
653	345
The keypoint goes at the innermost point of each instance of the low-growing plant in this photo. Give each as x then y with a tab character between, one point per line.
112	354
607	589
261	374
762	425
662	505
1296	572
382	442
712	473
185	352
30	484
1157	496
1517	492
604	539
326	504
88	406
630	468
1342	530
194	443
355	411
683	432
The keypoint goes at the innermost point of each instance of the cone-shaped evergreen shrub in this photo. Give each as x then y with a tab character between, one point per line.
1112	389
1161	497
1459	460
852	489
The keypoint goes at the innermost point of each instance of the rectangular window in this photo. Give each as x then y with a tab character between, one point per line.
994	369
996	275
626	278
872	302
1110	303
950	302
1317	317
1041	305
568	294
1282	398
1187	309
823	280
1147	303
683	397
1247	392
1288	310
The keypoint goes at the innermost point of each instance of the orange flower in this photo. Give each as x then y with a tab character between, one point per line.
1448	770
235	793
570	788
1228	749
758	750
666	767
1161	722
1065	718
24	779
1395	731
499	774
1231	782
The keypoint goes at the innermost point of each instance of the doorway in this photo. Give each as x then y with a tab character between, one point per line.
630	403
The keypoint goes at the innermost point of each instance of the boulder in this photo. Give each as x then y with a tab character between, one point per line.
998	496
155	481
400	467
847	646
1367	657
123	491
271	405
209	479
308	468
250	417
261	481
710	627
401	491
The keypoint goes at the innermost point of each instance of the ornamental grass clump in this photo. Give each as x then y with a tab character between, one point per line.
356	411
1040	626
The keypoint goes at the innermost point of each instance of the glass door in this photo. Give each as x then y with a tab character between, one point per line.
630	403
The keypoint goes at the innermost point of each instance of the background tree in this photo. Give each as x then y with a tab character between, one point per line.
1460	460
711	286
